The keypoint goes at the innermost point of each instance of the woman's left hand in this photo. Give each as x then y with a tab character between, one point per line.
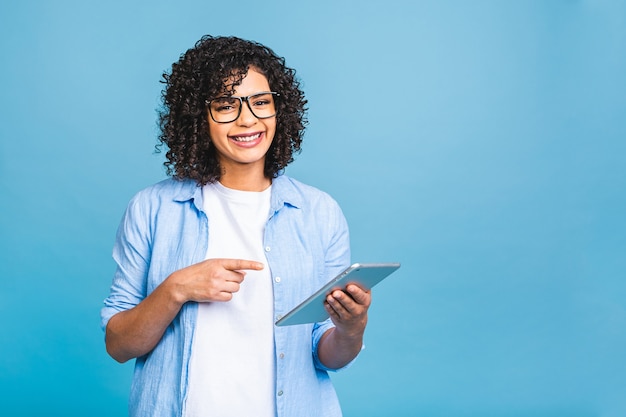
348	310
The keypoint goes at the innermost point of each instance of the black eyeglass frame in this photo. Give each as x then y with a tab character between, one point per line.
241	100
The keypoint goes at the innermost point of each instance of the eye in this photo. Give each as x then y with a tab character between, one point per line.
224	105
262	100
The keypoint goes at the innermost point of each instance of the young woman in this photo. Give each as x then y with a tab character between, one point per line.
208	259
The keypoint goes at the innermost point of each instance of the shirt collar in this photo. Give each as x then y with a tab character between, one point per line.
284	192
188	190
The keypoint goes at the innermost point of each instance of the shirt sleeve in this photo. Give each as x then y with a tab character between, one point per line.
337	259
318	331
131	254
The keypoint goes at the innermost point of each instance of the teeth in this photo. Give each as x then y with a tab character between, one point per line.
247	138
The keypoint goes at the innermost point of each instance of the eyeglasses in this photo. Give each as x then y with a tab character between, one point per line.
228	109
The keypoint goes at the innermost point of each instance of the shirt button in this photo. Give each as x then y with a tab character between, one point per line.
282	355
277	279
280	393
267	249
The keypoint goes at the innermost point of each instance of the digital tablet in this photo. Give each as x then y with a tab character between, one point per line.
312	309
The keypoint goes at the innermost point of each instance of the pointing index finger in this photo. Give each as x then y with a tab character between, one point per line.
242	264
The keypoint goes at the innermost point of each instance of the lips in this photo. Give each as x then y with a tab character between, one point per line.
248	140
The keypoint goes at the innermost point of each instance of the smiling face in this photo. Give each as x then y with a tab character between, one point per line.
242	144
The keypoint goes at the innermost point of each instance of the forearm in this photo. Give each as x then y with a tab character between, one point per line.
337	349
137	331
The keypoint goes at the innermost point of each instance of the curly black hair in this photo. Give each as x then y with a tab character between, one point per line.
201	74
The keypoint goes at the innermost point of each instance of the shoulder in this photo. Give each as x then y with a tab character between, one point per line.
314	206
162	197
300	194
159	207
163	192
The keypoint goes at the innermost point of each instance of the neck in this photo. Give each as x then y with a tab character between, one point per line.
246	185
244	182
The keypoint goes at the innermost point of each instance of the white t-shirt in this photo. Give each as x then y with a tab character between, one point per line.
232	363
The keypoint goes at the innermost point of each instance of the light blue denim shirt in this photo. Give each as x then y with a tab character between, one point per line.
165	229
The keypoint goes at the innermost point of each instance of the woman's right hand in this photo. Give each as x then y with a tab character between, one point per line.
211	280
135	332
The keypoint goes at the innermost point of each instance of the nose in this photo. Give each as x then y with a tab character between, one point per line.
246	118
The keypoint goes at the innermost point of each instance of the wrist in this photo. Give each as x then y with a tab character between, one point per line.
175	290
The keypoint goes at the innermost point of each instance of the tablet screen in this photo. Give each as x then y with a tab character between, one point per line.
312	309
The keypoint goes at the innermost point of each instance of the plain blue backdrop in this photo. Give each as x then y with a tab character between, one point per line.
482	144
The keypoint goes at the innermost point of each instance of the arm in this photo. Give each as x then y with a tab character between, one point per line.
135	332
341	344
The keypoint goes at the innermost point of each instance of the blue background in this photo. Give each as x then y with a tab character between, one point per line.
481	144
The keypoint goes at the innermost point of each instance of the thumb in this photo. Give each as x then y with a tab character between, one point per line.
358	294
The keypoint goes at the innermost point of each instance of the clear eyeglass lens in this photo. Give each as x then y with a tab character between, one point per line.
227	109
